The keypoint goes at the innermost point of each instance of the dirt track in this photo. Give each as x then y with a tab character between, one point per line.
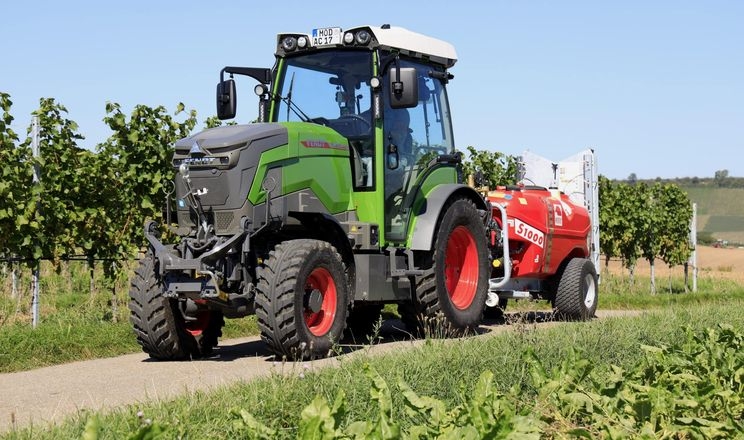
52	393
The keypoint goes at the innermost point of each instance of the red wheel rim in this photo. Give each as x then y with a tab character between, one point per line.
321	321
196	328
461	267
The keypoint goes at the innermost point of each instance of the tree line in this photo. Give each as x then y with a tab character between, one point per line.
720	179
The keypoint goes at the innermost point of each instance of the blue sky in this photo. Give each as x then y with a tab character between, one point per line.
655	87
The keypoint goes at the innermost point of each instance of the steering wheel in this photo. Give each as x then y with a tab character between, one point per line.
366	124
320	120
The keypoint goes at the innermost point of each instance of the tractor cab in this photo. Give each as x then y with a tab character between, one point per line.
383	90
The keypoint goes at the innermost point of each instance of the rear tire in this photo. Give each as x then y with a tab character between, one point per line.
302	299
158	324
455	284
576	297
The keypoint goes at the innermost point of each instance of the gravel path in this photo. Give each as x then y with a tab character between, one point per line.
52	393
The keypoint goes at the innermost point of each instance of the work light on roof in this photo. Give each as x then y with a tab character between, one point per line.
289	44
362	37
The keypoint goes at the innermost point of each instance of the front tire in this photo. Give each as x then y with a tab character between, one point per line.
456	283
576	297
160	327
302	299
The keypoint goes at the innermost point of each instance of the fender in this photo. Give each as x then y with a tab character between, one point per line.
331	230
427	218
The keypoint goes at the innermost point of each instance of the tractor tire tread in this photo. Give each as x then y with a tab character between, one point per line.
152	317
157	323
569	298
420	317
275	297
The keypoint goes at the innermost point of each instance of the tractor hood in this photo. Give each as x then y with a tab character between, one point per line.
222	165
220	147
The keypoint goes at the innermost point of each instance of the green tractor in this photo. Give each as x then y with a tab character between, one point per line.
344	196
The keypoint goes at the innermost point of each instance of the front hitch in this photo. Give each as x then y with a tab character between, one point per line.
201	264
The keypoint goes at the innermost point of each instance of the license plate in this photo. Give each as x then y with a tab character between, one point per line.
326	36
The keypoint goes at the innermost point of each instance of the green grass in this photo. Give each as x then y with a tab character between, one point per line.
724	223
62	340
712	200
445	369
617	292
77	326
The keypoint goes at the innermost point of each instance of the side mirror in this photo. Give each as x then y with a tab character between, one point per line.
226	99
403	87
393	159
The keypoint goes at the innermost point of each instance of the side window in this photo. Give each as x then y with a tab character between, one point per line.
429	128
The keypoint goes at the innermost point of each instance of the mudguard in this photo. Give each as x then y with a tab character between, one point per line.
427	218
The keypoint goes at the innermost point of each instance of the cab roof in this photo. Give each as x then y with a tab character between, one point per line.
413	43
388	37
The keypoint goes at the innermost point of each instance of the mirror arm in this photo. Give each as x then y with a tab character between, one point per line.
397	85
259	74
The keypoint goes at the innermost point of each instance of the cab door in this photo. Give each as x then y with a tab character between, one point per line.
409	150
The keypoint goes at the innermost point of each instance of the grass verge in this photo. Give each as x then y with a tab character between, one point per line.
447	369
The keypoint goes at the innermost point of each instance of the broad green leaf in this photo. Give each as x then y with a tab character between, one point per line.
146	203
252	427
92	428
316	421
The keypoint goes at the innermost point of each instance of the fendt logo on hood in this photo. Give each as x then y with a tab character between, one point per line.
196	149
197	156
199	160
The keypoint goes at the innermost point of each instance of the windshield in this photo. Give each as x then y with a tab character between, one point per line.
328	87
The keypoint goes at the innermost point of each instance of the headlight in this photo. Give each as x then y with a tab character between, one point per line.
260	89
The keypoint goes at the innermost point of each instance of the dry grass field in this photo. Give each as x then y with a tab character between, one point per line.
727	263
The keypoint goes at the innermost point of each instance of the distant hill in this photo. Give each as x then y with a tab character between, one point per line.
720	205
720	211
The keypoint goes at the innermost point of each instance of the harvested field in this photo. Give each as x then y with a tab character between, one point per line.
726	263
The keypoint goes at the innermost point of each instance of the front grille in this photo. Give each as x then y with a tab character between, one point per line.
223	220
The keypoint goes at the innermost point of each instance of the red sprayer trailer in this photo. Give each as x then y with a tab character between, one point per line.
539	241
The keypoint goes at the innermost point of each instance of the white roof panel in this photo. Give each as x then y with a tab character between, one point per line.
413	43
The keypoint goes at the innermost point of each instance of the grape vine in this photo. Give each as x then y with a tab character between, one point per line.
94	204
85	204
641	221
